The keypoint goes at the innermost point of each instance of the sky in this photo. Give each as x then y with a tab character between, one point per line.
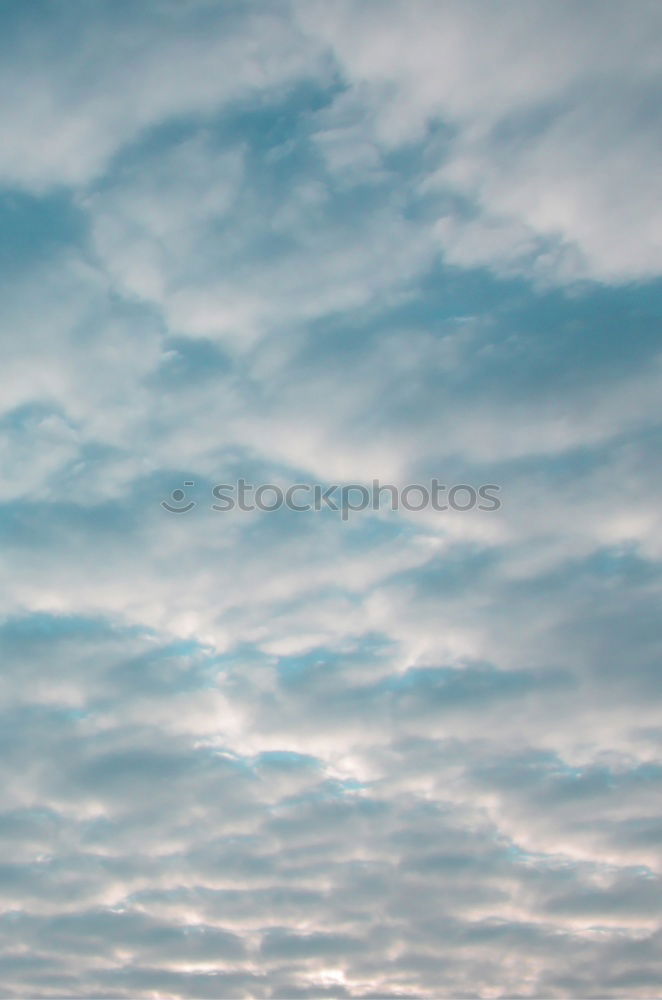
296	754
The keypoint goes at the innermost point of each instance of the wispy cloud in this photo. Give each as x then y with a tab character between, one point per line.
251	754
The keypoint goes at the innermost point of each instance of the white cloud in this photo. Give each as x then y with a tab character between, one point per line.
272	755
90	80
551	118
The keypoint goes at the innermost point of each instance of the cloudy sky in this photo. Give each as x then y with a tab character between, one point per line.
282	754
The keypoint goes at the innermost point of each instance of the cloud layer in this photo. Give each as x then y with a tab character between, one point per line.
268	755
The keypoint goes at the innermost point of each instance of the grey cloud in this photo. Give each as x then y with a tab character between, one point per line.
268	756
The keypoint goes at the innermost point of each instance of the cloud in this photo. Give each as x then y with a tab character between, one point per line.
90	81
548	122
410	754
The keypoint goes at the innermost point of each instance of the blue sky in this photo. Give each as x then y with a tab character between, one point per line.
268	755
